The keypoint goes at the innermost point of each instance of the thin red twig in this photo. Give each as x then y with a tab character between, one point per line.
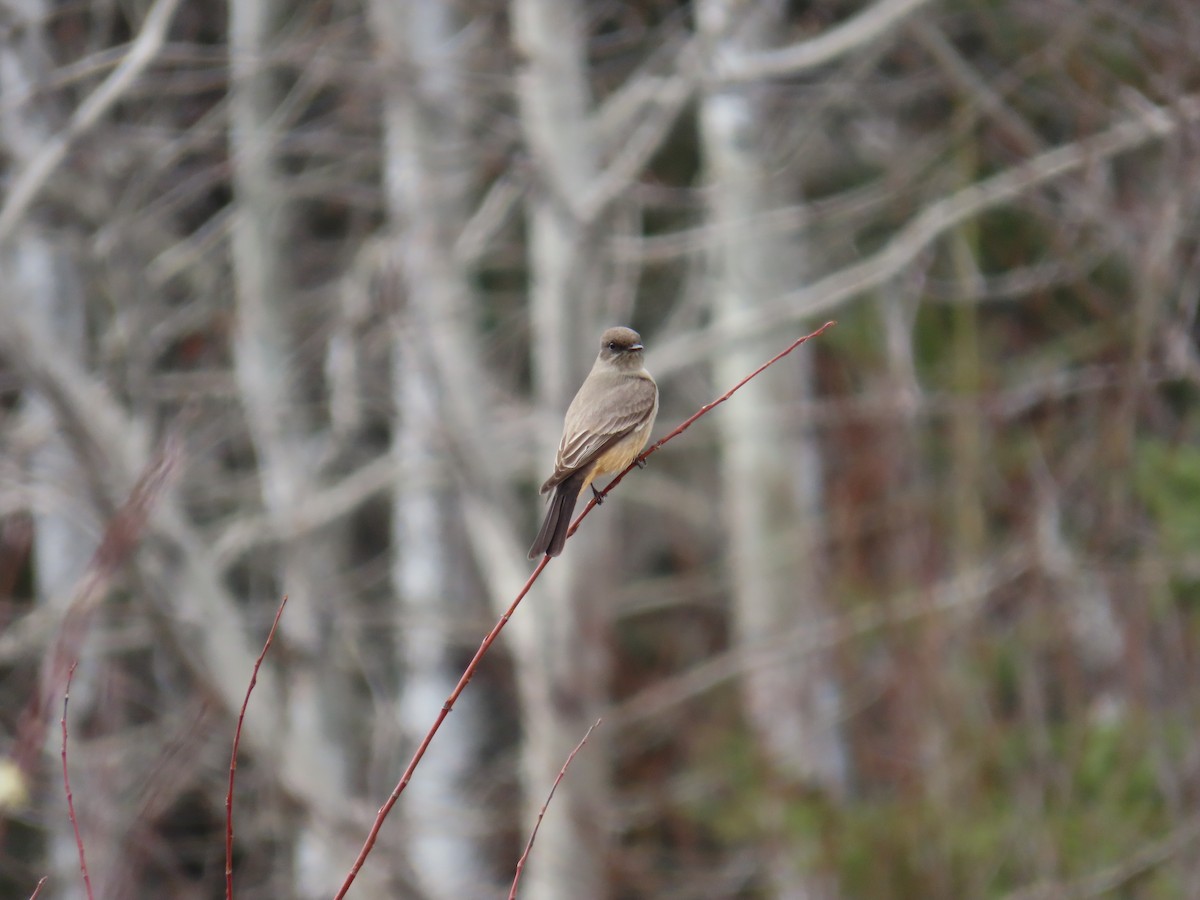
87	880
687	423
469	672
37	890
121	535
237	739
512	892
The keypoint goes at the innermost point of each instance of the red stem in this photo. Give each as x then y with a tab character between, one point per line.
687	423
87	880
373	834
512	892
237	739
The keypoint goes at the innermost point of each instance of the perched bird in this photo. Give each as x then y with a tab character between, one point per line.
606	427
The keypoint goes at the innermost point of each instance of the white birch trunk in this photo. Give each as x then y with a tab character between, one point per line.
51	302
64	539
427	178
563	671
268	377
207	626
771	469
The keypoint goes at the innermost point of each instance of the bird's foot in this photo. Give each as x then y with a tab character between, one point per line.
599	496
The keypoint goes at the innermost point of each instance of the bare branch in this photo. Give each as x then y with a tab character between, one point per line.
237	739
473	665
669	100
121	537
83	867
316	509
1111	880
43	163
962	591
405	778
1151	124
512	892
655	102
111	443
869	25
972	84
491	215
687	423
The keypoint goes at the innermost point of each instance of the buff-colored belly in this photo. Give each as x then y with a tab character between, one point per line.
619	455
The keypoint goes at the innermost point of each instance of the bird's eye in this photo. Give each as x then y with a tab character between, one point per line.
612	345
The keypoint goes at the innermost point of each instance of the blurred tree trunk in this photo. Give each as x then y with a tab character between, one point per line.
50	297
428	181
1006	483
770	467
270	382
563	676
64	540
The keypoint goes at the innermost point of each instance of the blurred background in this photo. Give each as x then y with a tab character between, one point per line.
294	293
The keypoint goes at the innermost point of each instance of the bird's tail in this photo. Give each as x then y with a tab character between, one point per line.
553	535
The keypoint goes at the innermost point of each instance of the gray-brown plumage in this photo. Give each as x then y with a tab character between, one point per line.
606	427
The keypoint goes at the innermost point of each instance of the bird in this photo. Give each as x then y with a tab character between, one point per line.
606	427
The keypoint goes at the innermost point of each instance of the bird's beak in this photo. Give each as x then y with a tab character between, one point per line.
636	347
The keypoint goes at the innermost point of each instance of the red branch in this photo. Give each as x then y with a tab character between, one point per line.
121	535
512	892
87	880
237	739
122	532
469	672
38	890
687	423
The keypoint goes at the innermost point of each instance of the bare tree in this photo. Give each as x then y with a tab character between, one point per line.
563	677
286	439
771	466
40	278
912	616
437	382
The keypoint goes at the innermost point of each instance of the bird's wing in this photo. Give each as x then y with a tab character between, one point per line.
587	432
